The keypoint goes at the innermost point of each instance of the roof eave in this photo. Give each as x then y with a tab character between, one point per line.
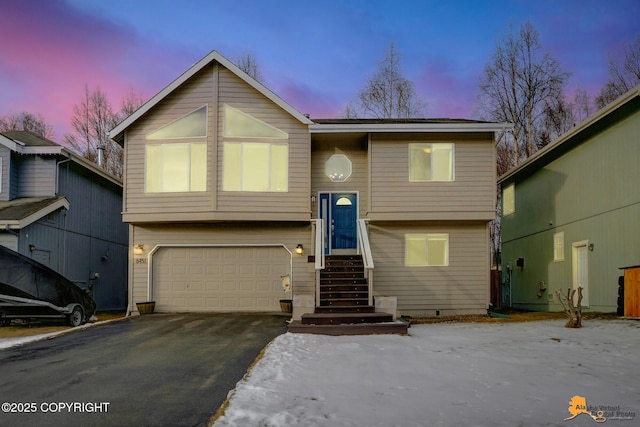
20	223
117	133
567	136
91	166
408	127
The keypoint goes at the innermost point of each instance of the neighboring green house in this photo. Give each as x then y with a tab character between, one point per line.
571	212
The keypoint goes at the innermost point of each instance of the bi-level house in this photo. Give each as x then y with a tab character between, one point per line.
229	192
65	212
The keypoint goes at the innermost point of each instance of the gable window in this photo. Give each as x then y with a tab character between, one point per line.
255	154
191	125
422	250
178	163
431	162
558	246
508	200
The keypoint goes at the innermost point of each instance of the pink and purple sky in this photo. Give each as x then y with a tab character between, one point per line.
316	55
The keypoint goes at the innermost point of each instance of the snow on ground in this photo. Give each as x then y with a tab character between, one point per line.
12	342
456	374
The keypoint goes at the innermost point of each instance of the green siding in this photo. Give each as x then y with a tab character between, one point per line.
590	193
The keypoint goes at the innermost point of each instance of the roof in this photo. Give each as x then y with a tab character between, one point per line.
603	118
405	125
27	142
29	139
117	133
18	213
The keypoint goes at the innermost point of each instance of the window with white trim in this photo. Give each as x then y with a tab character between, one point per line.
558	246
176	155
176	167
255	154
426	250
431	162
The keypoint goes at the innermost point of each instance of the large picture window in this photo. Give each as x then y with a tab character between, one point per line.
255	154
260	166
179	165
176	168
422	250
431	162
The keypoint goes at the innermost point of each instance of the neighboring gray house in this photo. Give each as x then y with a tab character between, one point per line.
65	212
571	212
228	189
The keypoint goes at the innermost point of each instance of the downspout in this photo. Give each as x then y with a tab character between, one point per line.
64	232
58	172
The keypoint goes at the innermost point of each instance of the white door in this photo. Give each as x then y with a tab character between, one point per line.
581	270
219	278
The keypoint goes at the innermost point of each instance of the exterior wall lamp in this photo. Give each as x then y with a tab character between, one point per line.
299	249
138	249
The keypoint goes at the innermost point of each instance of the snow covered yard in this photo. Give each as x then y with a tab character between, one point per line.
456	374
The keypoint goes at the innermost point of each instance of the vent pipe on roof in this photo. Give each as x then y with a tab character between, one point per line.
101	156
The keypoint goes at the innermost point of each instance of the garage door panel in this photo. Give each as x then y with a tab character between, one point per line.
219	279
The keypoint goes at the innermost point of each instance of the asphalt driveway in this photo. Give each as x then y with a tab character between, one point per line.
152	370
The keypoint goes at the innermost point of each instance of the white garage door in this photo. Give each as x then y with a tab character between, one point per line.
219	279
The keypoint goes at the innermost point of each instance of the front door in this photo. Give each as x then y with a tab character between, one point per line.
581	271
340	212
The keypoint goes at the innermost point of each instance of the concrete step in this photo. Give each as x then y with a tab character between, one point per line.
343	294
397	327
343	287
344	318
341	275
345	309
344	301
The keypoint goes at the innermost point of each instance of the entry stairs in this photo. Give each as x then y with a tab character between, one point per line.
344	303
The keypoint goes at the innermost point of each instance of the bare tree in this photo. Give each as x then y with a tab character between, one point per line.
583	105
26	121
624	74
388	94
92	120
520	85
247	62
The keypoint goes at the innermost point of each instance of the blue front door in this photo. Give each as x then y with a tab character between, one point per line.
340	211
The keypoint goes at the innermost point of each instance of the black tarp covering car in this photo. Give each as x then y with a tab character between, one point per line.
29	289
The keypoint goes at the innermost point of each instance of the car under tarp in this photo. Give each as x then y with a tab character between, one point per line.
29	289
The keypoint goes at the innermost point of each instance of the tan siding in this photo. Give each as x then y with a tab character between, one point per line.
472	191
193	94
225	234
462	286
358	181
238	94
